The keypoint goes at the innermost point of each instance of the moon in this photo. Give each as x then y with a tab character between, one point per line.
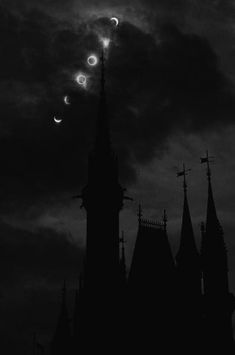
115	20
66	100
81	79
92	60
57	120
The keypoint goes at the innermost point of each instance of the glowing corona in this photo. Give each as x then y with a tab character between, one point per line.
81	79
92	60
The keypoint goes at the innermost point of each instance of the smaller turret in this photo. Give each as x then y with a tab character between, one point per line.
187	257
188	272
218	301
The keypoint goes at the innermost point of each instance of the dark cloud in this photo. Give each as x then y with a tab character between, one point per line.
154	87
160	82
38	256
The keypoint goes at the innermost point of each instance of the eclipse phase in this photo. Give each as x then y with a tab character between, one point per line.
81	79
115	21
92	60
57	120
66	100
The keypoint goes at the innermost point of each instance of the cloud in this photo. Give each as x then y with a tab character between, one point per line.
154	88
40	256
164	77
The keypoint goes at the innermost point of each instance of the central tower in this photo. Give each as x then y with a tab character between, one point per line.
103	199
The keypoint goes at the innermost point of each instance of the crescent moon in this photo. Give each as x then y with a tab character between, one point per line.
116	20
66	100
56	120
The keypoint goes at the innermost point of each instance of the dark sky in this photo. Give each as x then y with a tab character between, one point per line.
170	86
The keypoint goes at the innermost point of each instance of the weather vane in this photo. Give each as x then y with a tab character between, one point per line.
184	173
207	160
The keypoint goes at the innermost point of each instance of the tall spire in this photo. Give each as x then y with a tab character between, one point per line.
103	200
211	218
102	142
187	250
188	270
102	73
123	259
219	301
213	246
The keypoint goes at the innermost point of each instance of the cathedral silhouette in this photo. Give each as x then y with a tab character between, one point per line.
165	304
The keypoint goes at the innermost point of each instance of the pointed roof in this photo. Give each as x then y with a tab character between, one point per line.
102	139
213	246
211	215
212	221
213	236
187	249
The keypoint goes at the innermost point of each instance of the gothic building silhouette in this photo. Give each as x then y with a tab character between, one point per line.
165	304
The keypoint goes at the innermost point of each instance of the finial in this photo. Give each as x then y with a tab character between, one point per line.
164	218
183	173
208	159
140	213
